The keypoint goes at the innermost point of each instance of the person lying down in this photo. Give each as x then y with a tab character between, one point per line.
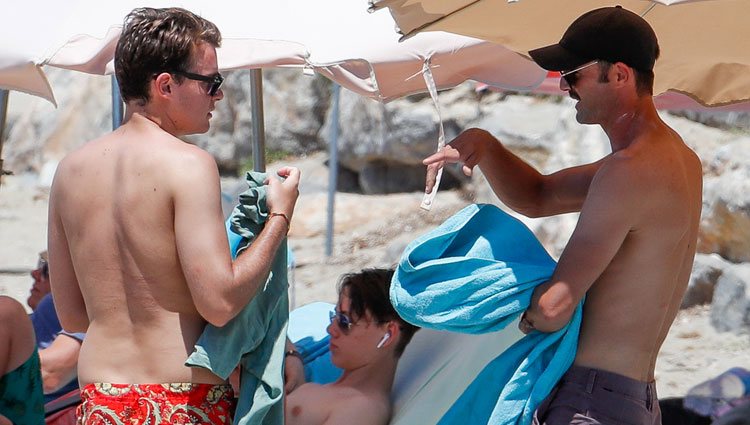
367	339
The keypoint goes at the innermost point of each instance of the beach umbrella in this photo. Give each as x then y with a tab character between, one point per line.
702	42
343	42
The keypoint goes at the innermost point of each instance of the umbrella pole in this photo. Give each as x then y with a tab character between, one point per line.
3	116
333	168
256	104
117	107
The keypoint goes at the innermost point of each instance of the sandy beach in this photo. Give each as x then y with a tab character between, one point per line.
370	231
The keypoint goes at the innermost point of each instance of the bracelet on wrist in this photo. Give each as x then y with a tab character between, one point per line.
282	215
293	353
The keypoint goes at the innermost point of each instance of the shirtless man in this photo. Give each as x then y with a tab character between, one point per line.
138	253
632	251
367	338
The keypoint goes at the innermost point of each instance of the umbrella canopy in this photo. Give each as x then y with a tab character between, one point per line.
702	53
358	50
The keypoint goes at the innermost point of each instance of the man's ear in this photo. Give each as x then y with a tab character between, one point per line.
622	73
162	85
395	330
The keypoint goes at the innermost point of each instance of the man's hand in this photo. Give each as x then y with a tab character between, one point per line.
282	195
468	148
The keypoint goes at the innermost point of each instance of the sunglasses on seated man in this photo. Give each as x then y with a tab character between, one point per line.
344	322
214	81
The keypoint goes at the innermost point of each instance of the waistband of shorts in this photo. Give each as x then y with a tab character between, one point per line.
169	387
592	378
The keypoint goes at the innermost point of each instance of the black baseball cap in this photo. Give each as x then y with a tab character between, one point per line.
612	34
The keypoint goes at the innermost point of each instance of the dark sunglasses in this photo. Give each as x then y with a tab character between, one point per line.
571	77
342	321
214	81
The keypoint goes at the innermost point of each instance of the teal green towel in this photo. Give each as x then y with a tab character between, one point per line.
256	338
476	273
21	397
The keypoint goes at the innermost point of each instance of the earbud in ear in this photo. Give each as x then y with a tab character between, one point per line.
385	338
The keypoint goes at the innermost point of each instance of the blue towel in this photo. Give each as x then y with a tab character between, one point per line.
256	337
476	273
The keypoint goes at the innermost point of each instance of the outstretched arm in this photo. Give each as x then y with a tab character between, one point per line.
515	182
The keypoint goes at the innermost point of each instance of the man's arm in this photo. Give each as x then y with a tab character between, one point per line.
219	287
516	183
609	213
59	362
69	303
294	369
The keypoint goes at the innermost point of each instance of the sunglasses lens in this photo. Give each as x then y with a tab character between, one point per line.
215	85
342	321
571	78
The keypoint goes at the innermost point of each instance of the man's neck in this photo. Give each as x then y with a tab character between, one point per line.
630	121
375	377
145	116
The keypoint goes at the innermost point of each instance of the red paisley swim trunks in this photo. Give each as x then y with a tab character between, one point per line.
156	404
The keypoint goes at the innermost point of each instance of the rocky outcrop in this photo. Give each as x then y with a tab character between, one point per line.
707	269
730	310
725	223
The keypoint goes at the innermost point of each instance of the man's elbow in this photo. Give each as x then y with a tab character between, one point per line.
50	382
552	318
219	313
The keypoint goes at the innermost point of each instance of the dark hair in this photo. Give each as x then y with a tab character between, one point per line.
369	291
644	80
155	41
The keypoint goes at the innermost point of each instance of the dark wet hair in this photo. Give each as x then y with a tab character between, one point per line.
369	291
155	41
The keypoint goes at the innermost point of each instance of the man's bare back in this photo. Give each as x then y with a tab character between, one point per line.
116	200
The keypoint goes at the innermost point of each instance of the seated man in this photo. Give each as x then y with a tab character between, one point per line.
21	400
367	338
58	349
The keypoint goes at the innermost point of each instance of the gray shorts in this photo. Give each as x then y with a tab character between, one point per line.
592	396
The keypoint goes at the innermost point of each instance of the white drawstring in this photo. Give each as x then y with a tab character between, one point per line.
429	198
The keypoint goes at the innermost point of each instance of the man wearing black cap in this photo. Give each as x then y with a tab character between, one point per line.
632	251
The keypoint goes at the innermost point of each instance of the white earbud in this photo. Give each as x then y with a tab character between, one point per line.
385	338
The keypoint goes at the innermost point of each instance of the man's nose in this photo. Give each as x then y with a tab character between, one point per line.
36	274
564	86
333	329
